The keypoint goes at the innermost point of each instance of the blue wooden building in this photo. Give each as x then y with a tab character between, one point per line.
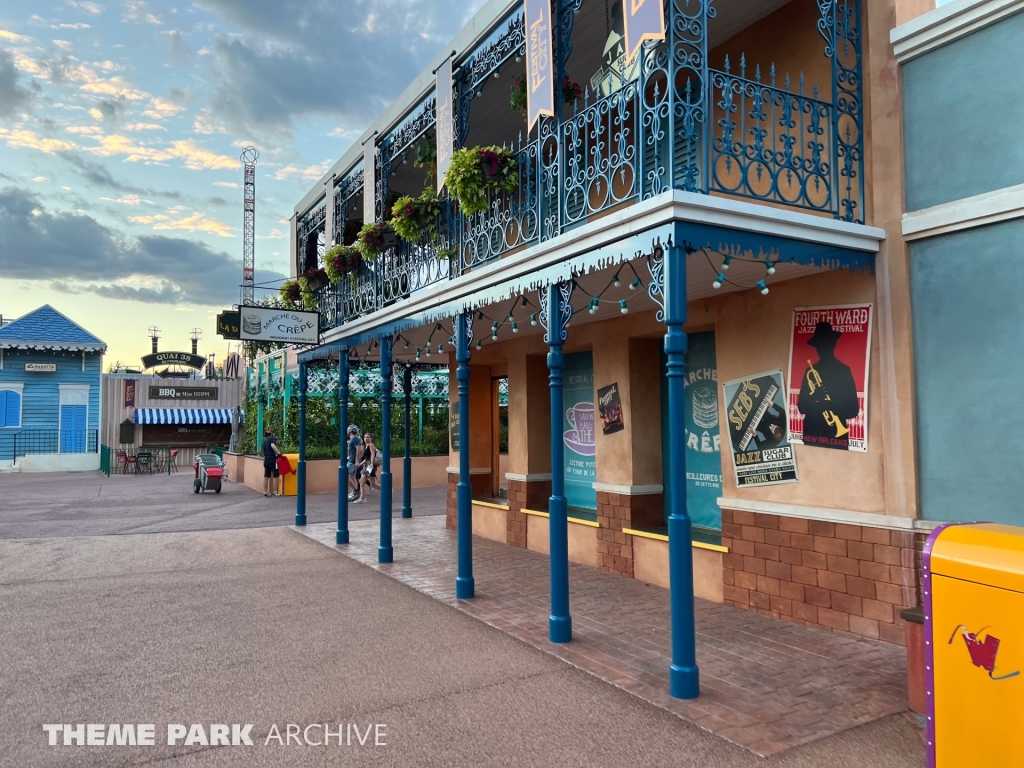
50	375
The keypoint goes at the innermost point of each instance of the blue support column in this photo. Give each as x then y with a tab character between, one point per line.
300	472
684	680
464	585
341	537
407	461
385	553
558	312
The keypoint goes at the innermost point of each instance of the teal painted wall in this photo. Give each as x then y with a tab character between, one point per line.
963	112
969	365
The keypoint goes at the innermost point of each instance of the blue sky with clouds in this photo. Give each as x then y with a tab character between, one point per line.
121	123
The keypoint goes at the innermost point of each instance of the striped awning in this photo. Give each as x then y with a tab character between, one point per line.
182	415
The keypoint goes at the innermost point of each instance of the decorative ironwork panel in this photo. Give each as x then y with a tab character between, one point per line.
344	192
329	305
420	120
840	26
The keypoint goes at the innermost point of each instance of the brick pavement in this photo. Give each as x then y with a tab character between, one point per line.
766	684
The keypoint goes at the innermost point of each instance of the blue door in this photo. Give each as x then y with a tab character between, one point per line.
72	429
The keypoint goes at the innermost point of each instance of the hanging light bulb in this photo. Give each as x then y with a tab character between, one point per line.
635	284
526	302
417	353
495	74
771	267
593	306
533	319
518	58
406	343
440	349
479	343
725	264
718	281
616	282
622	307
428	350
763	287
515	328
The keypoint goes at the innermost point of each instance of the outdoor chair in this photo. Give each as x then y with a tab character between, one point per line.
123	462
174	460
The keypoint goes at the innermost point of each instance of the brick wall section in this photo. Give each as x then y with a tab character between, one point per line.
531	495
844	578
452	510
617	511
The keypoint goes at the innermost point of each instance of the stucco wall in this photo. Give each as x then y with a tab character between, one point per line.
963	113
968	337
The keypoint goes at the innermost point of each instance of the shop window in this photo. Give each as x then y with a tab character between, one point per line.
10	408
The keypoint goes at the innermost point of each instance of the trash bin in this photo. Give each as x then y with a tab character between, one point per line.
289	481
973	589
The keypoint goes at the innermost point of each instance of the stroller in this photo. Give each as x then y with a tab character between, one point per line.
209	473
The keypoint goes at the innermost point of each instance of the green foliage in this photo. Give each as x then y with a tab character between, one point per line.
470	185
371	240
415	219
426	156
342	260
517	97
307	282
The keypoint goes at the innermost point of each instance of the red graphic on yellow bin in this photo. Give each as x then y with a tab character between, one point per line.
983	651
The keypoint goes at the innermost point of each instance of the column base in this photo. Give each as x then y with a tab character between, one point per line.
465	589
385	554
300	520
341	537
406	513
560	629
683	682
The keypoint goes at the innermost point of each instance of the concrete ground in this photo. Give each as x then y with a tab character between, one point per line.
265	626
90	504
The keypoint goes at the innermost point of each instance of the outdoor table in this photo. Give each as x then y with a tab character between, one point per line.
144	462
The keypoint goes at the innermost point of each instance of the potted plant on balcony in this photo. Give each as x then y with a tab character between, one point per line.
475	173
426	157
312	280
374	239
415	219
291	292
571	90
342	260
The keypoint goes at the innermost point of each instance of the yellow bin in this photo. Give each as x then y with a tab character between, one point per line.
289	485
972	583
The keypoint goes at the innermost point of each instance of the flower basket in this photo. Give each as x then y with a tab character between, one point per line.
374	239
517	96
315	279
570	91
291	292
415	219
476	173
342	260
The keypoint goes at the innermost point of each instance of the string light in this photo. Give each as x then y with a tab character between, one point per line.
515	328
479	343
771	267
635	284
440	349
725	264
533	319
428	350
417	353
616	282
593	306
622	306
763	287
718	281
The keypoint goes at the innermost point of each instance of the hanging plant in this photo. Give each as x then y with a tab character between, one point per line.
517	96
291	292
571	90
342	260
313	280
477	172
374	239
426	157
415	219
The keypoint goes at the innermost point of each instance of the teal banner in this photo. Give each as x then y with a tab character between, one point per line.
540	78
578	431
703	439
644	20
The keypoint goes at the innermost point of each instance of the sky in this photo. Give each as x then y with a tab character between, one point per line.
121	125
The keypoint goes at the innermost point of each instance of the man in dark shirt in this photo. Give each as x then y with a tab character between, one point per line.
828	393
354	465
271	474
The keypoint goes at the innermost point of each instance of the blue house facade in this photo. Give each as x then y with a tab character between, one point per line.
50	375
961	69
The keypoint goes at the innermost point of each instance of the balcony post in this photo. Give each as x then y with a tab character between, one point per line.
385	553
464	585
341	536
684	680
407	461
556	300
300	472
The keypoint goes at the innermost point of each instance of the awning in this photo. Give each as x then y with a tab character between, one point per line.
183	415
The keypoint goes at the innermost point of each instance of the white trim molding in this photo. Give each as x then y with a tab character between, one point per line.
827	514
628	490
534	478
472	471
947	23
966	213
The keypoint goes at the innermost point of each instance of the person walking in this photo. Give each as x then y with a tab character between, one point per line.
271	474
354	464
369	461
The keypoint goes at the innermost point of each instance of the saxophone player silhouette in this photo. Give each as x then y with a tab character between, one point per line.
828	394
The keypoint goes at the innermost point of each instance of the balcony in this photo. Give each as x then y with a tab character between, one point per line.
670	120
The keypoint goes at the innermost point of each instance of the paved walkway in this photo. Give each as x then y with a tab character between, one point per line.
766	685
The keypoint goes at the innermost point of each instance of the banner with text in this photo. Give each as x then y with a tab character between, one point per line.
445	120
758	434
578	430
370	180
644	20
540	78
703	441
829	354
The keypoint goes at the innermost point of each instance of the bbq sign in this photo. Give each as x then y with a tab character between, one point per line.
284	326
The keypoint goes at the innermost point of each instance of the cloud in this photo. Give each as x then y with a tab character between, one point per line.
274	72
98	175
40	178
180	52
128	200
19	138
77	254
144	127
13	37
70	26
228	184
109	110
310	173
85	6
193	156
13	97
177	219
160	109
135	10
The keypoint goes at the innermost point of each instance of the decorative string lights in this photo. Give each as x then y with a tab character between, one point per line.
735	254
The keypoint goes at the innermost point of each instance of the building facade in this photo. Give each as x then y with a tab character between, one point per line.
50	373
697	290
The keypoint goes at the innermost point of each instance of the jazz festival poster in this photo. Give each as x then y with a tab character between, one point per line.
755	416
829	355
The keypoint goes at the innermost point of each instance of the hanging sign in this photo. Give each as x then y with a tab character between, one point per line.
370	180
129	393
228	324
578	430
540	80
283	326
453	424
756	416
173	358
40	367
644	20
703	440
829	353
445	120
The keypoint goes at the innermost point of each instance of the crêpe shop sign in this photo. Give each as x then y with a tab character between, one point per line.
173	358
284	326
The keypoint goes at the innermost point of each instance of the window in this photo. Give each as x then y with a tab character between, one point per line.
10	405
